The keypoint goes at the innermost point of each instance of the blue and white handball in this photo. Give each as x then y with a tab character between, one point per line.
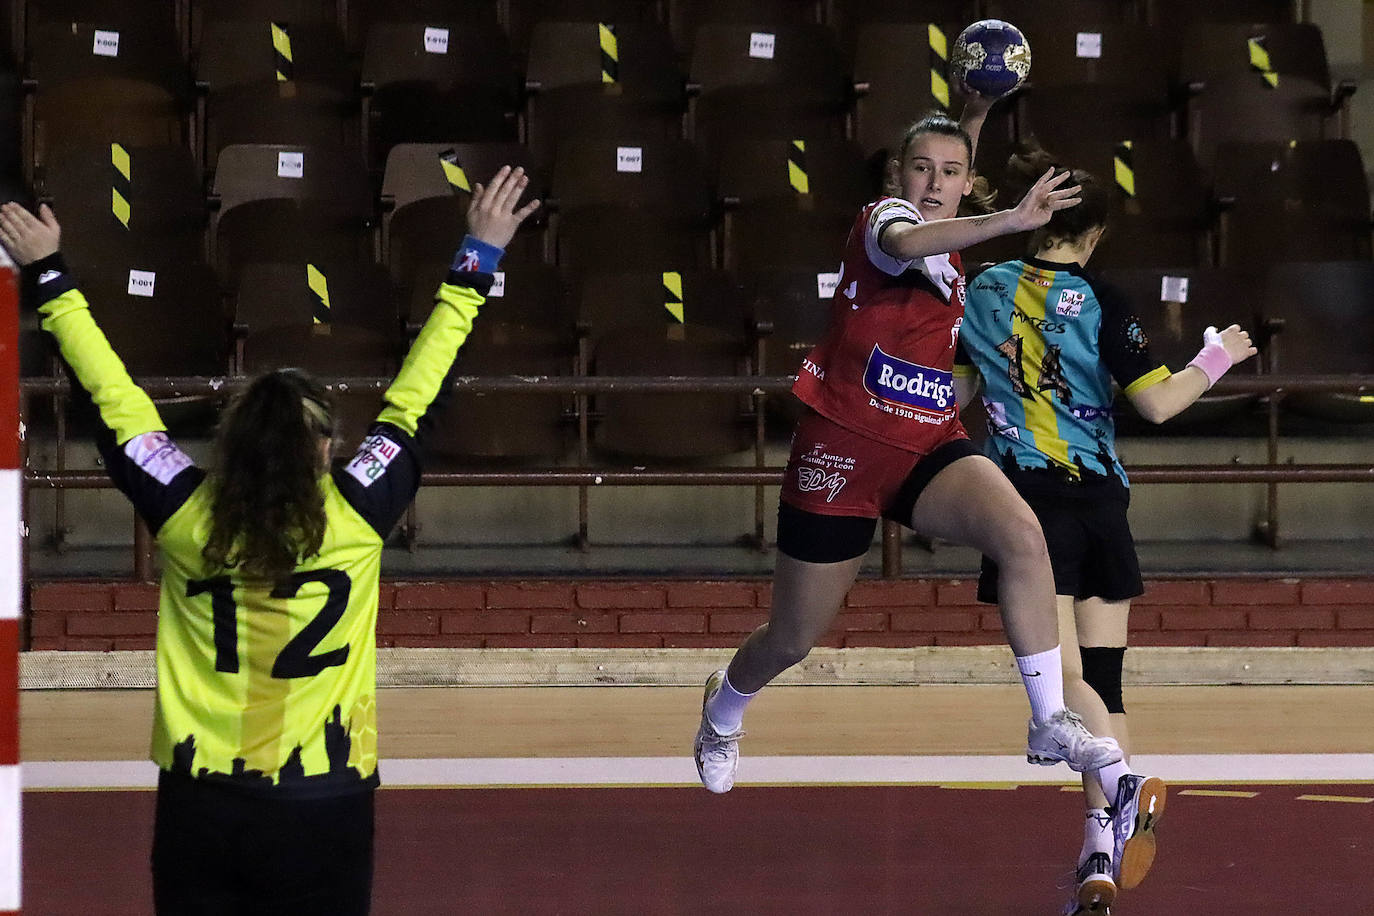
991	57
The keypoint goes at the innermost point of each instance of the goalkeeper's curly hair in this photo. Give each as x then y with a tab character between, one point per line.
267	509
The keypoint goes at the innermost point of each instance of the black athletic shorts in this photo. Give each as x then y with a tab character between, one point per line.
1091	548
218	849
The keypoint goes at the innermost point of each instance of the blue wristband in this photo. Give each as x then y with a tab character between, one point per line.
477	256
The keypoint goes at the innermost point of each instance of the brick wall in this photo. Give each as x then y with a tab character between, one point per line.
674	614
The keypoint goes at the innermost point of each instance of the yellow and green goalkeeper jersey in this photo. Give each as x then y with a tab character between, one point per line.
270	685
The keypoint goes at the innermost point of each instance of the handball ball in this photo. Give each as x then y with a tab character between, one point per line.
992	57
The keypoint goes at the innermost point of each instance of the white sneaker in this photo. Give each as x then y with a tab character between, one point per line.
1138	807
1062	738
717	755
1096	891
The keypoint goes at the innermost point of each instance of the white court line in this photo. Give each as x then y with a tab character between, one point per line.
671	771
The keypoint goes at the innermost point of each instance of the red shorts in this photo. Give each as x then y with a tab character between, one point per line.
836	471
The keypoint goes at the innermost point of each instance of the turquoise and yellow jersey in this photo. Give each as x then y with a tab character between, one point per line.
1048	339
271	685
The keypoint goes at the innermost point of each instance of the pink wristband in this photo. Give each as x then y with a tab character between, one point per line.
1213	360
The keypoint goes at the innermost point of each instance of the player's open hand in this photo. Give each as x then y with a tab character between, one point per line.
1235	340
1044	198
26	237
492	217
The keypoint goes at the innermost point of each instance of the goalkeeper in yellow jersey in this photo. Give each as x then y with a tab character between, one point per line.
265	724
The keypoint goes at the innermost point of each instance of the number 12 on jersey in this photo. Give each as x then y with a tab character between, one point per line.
295	658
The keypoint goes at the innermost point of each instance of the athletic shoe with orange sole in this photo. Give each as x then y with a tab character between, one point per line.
1138	808
1096	890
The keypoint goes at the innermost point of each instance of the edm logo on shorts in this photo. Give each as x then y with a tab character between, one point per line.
908	384
812	479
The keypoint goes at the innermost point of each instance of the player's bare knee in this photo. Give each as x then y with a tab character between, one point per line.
1019	540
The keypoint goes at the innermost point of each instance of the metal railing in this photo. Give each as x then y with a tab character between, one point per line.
1272	473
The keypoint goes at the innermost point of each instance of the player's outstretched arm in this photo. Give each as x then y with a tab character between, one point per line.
34	242
143	462
909	241
1220	351
492	222
381	479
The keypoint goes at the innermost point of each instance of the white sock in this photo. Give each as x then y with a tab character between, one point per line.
1109	775
1097	834
726	708
1043	675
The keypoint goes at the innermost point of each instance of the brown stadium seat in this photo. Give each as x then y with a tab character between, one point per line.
1187	13
1161	208
271	296
1255	82
1306	200
133	201
776	80
1102	80
789	202
115	77
164	319
685	322
362	15
901	73
291	12
1327	310
243	97
427	81
686	17
1217	50
526	14
601	77
474	426
848	17
1078	14
625	203
794	305
274	203
426	188
1174	317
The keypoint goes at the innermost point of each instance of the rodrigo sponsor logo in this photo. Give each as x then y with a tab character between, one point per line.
909	388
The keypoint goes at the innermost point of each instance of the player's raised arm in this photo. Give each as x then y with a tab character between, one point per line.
138	456
381	479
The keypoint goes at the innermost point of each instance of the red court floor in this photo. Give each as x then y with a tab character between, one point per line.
764	850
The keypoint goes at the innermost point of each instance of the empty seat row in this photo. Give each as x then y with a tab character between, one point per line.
617	203
258	79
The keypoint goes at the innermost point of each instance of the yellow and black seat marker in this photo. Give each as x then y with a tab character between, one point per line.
610	54
122	182
1259	59
939	66
454	174
796	167
281	44
319	288
797	175
672	295
1123	167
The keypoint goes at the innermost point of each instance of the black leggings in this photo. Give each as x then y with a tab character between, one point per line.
220	850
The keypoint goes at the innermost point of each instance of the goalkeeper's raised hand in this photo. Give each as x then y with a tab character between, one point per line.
26	237
492	217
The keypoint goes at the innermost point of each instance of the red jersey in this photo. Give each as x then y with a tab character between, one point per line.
885	365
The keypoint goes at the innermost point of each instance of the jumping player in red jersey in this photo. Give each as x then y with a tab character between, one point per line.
883	438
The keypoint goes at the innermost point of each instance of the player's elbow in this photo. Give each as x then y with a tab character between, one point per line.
1152	410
